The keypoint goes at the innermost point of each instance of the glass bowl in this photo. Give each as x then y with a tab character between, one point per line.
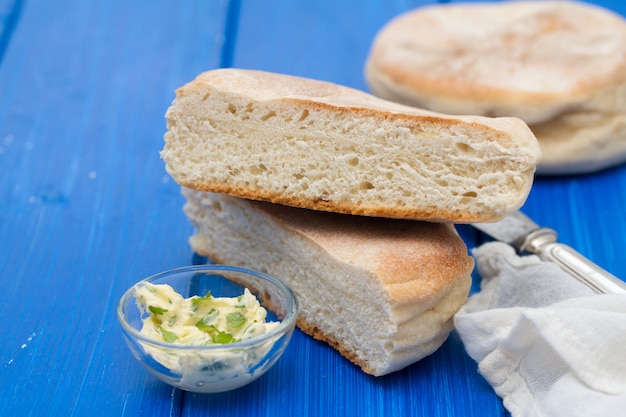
213	367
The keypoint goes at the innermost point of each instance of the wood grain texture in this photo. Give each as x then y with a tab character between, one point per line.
326	40
86	208
10	11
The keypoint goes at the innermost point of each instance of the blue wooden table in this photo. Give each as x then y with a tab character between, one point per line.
86	208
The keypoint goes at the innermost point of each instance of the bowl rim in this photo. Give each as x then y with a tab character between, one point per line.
284	326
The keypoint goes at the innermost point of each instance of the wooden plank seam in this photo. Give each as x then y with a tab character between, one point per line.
230	33
10	17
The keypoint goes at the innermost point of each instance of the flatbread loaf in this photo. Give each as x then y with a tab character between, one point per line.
559	66
318	145
381	291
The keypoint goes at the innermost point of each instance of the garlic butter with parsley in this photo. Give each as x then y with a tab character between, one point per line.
202	321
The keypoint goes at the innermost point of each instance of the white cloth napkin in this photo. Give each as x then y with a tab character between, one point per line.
547	344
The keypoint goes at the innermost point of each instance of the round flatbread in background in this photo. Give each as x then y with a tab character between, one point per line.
559	66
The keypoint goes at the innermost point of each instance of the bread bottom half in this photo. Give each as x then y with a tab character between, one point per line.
587	137
380	291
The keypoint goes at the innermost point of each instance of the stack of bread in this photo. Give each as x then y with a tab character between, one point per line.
348	198
558	65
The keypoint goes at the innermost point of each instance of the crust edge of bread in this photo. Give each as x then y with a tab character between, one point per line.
448	295
513	135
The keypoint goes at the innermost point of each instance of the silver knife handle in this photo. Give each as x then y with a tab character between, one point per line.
542	242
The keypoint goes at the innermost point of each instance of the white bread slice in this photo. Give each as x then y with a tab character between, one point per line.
317	145
558	65
381	291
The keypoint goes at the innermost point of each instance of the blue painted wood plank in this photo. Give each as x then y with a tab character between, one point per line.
311	379
327	40
9	16
86	208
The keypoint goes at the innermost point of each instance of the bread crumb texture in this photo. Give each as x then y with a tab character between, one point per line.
380	291
313	144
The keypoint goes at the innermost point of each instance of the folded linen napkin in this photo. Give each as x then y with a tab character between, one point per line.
547	344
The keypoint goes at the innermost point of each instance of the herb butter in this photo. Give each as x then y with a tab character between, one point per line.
199	320
202	321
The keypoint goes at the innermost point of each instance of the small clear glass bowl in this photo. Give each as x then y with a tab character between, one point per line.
212	368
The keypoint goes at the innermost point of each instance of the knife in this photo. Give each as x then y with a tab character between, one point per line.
519	231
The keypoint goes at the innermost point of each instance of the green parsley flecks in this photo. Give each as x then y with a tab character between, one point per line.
200	320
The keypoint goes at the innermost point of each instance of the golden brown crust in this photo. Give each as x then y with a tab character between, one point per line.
248	133
343	101
305	326
412	259
319	334
431	214
380	291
